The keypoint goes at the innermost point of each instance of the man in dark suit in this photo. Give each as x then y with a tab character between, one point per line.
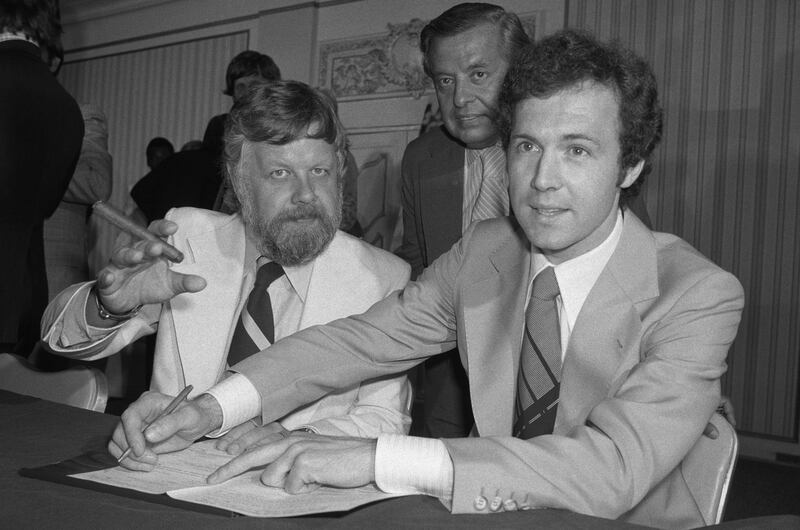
594	346
467	50
41	130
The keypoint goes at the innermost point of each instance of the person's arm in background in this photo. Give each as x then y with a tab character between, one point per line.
410	248
92	179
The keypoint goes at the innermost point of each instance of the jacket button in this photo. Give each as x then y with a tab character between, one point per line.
496	504
480	503
510	505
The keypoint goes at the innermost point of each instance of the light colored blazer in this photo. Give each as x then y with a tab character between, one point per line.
640	378
195	329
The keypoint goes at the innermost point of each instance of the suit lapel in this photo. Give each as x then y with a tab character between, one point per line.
605	341
203	321
337	286
492	351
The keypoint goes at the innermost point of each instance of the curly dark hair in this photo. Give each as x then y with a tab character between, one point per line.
250	62
463	17
569	57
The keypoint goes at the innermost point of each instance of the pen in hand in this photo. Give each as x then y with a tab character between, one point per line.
172	406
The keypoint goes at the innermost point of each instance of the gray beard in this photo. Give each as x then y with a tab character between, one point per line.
287	243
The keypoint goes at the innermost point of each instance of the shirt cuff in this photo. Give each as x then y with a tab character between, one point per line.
238	399
413	465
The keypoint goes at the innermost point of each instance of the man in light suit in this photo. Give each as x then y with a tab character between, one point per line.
642	324
467	51
286	166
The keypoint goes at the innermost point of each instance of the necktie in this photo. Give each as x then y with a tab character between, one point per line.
255	329
539	376
492	200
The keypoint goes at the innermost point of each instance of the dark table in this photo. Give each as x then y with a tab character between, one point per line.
37	432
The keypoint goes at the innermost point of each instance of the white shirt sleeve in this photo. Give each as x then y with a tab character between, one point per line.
410	464
238	399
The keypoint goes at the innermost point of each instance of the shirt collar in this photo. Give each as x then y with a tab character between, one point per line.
577	276
299	276
10	35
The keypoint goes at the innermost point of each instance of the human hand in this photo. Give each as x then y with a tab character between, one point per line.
188	422
138	274
302	462
248	435
725	408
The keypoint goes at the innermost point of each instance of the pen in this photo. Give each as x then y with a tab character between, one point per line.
121	221
172	405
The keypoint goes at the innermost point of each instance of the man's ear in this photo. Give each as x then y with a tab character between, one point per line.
631	174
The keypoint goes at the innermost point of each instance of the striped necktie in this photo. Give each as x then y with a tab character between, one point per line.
492	200
255	329
539	376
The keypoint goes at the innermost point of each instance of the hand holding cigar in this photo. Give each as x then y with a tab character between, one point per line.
137	273
124	223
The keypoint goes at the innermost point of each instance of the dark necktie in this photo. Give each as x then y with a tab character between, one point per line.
540	361
255	329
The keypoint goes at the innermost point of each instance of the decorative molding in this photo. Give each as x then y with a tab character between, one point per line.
381	66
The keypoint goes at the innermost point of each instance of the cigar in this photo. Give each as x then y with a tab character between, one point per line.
124	223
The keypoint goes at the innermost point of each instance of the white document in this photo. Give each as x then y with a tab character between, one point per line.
182	475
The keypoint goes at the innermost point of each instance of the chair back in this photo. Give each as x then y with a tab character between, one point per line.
708	469
80	386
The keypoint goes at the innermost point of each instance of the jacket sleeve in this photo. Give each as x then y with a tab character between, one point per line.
65	331
410	248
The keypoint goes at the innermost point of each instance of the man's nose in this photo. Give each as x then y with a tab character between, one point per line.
546	172
304	190
463	93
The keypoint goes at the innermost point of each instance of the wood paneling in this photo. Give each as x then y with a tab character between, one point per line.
726	174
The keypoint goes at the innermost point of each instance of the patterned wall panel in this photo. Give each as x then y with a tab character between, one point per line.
170	91
726	174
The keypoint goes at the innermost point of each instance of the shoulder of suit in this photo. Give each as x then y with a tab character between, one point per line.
431	143
679	263
194	221
371	257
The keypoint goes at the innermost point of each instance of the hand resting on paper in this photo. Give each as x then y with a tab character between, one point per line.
302	462
138	273
187	423
248	435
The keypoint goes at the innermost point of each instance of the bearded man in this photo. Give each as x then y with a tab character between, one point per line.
250	278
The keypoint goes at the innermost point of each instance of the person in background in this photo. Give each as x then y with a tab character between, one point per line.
158	149
66	238
41	130
192	145
245	69
594	346
249	278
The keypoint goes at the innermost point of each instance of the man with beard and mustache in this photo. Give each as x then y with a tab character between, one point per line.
248	279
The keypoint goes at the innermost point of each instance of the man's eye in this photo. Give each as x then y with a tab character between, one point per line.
319	171
279	173
480	75
444	82
525	147
577	150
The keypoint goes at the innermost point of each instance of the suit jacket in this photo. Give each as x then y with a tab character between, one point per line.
41	129
640	377
432	197
195	329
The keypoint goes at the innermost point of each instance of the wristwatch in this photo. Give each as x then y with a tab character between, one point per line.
105	314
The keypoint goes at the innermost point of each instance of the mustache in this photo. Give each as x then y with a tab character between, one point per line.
303	211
